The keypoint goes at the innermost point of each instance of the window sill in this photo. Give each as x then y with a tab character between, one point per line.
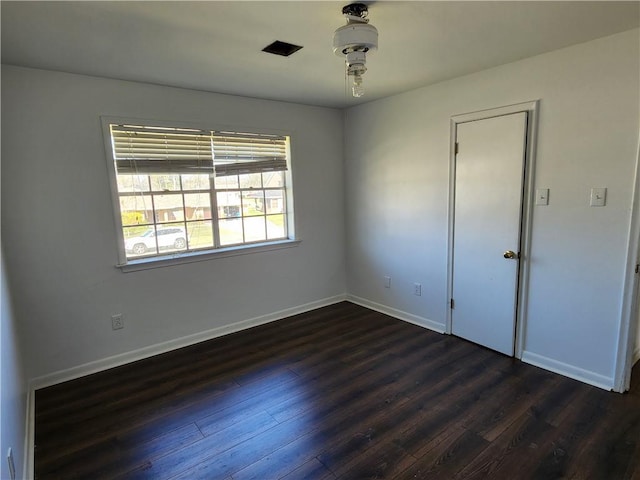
204	255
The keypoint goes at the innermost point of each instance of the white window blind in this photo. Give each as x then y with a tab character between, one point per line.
158	150
238	153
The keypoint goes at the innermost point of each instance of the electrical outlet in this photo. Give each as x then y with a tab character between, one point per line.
417	289
117	322
12	466
387	282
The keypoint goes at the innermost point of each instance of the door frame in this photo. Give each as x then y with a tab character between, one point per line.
630	306
528	200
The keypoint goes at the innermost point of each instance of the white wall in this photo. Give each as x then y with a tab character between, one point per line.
59	234
397	160
13	387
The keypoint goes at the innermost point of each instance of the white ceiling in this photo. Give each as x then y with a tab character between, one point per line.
216	46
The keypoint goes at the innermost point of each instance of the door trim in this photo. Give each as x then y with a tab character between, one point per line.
630	302
528	197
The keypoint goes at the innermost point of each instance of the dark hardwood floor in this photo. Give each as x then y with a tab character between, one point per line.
339	392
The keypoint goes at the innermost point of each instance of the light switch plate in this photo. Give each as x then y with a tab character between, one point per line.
542	196
598	197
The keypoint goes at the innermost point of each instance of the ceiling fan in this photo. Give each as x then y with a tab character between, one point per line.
354	40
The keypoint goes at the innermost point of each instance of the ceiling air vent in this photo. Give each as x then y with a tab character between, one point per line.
281	48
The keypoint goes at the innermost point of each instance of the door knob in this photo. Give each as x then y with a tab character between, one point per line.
510	254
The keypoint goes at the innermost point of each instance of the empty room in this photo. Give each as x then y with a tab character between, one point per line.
320	240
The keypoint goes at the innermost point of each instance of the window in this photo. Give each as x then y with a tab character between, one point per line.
181	190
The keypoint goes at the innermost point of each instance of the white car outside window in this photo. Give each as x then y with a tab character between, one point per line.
151	241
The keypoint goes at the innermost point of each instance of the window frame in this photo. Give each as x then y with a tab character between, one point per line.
189	256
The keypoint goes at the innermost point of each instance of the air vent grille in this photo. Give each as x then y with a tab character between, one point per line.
281	48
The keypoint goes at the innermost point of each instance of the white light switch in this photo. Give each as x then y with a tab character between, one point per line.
542	196
598	197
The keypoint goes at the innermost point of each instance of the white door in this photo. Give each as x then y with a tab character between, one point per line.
489	172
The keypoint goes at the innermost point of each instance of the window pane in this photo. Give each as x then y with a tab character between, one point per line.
136	209
254	229
195	182
273	179
139	241
165	183
133	183
274	201
171	237
228	204
251	180
197	206
200	234
230	231
253	203
226	182
168	208
276	227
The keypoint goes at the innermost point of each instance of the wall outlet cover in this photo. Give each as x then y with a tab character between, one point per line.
117	322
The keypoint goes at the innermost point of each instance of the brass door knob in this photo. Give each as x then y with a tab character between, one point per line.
510	254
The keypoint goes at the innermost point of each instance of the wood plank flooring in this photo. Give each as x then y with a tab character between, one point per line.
341	392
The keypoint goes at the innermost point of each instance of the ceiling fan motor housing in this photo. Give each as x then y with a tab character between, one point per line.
355	37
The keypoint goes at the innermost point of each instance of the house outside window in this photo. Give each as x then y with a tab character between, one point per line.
183	191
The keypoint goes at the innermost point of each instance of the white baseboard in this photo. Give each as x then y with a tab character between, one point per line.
151	350
567	370
399	314
636	355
